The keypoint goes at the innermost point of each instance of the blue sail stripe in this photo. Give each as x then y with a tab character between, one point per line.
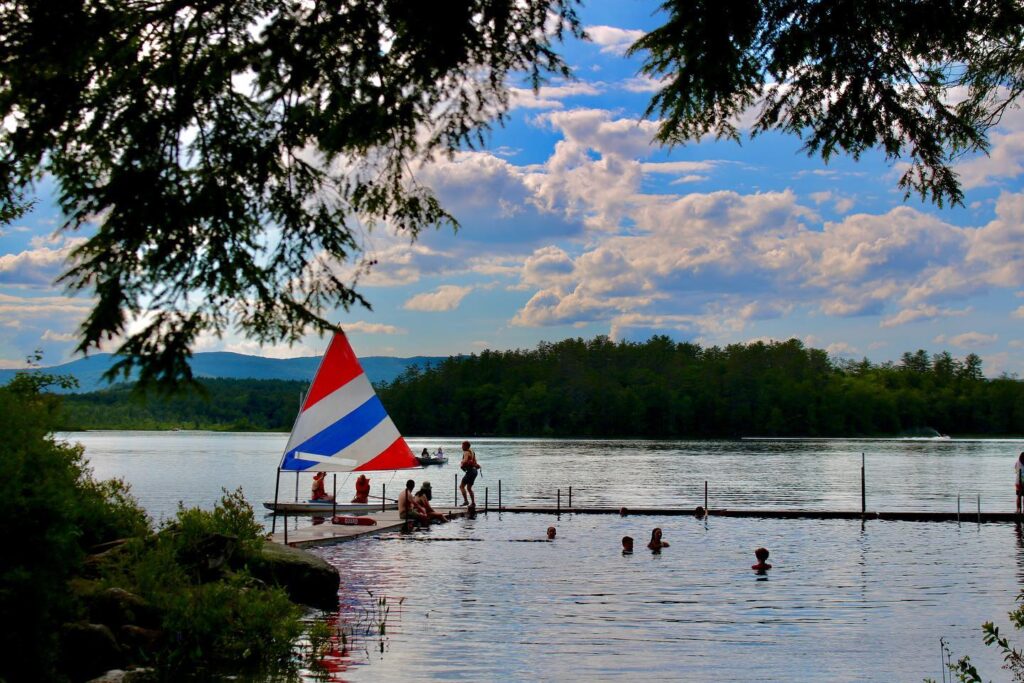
338	435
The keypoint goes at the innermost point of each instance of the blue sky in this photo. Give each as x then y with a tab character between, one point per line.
574	224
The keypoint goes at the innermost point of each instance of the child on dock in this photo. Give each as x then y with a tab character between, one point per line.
362	489
762	561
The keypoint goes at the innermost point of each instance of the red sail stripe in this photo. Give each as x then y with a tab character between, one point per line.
397	456
337	369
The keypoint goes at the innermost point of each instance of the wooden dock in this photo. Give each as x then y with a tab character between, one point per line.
323	534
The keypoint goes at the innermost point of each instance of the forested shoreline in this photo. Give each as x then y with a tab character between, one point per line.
599	388
663	389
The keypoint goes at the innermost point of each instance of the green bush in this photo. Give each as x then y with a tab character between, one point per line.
51	513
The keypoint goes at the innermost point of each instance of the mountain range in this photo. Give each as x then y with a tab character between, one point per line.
89	370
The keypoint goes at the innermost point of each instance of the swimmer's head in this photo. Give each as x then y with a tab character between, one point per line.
762	553
551	532
699	512
623	511
627	544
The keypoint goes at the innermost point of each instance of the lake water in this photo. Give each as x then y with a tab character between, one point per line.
844	601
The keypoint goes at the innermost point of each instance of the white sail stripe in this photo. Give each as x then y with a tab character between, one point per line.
337	464
372	444
331	408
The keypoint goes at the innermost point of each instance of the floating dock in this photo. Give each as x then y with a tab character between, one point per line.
388	520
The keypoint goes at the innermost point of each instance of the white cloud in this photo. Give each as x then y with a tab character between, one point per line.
38	267
372	328
613	40
1018	312
551	96
841	349
444	298
922	312
253	348
50	335
1002	162
968	340
642	84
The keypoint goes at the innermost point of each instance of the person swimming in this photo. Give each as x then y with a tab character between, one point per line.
762	564
656	543
551	533
627	545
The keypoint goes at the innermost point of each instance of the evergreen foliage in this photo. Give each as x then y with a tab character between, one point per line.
663	389
223	404
236	150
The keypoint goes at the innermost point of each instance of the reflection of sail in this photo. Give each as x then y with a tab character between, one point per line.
342	425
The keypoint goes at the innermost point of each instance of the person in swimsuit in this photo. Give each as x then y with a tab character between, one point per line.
319	491
408	509
656	543
423	497
762	561
1018	469
471	467
362	489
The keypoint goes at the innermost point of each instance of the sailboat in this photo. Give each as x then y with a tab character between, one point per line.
341	427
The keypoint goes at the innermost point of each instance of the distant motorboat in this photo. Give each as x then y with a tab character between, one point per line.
432	459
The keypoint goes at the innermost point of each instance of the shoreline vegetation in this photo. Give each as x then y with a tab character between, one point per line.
91	585
602	389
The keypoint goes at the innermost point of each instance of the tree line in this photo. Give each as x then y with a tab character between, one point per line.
600	388
222	404
663	389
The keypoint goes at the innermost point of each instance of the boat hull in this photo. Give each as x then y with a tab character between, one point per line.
326	508
431	461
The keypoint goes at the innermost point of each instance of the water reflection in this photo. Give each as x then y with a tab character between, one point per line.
843	601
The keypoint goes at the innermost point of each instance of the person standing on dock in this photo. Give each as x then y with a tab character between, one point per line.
1018	469
471	467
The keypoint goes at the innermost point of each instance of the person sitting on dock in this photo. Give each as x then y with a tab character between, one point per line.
551	533
656	543
762	561
408	508
627	545
423	497
319	492
362	489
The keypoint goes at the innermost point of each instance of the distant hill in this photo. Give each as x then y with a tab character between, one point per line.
222	364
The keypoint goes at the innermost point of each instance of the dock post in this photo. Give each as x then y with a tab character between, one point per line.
559	508
957	508
277	487
979	508
705	496
863	489
286	528
383	497
570	497
485	499
455	495
296	486
499	495
334	497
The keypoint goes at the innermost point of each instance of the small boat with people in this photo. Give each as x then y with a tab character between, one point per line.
341	427
438	458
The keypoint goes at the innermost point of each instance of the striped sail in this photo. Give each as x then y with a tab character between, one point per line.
342	425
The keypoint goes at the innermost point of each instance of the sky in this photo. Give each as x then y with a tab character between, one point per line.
574	224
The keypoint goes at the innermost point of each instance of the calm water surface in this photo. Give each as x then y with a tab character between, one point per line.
844	602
